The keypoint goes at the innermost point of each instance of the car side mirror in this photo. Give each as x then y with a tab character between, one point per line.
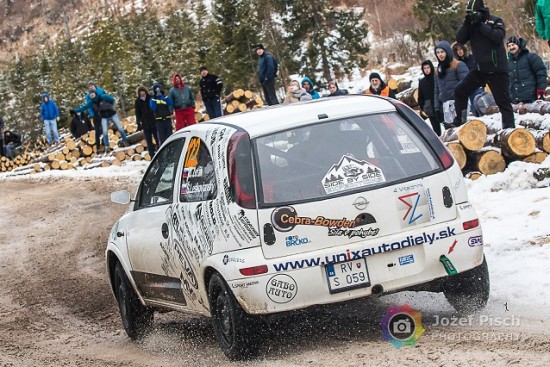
120	197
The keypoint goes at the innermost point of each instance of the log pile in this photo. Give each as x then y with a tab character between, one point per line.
239	100
478	150
80	153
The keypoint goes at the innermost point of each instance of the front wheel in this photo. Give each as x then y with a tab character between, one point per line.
233	327
136	318
468	292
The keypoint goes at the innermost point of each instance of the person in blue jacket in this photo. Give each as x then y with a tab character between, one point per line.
104	106
95	117
308	85
49	113
267	72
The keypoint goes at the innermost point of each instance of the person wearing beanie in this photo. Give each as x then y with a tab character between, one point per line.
211	90
267	72
378	87
450	72
49	113
161	107
527	72
542	19
183	102
426	100
145	118
485	32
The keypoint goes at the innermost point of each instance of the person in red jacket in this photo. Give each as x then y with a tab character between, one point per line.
183	103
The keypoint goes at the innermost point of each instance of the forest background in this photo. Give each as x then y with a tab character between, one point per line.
59	46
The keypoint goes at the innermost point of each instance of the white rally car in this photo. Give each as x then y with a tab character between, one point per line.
292	206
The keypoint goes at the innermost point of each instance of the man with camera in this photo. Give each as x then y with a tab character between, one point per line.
486	34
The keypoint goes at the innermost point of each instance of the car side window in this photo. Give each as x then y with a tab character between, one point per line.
198	179
157	187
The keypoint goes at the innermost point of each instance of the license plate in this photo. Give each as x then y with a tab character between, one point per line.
346	275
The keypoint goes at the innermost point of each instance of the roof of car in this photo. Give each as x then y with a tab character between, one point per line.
281	117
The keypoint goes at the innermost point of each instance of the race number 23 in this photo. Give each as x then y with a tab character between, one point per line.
191	160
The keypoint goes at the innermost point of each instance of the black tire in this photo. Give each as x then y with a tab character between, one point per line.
468	292
234	329
136	318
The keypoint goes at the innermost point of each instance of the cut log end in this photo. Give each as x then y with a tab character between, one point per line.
458	153
473	135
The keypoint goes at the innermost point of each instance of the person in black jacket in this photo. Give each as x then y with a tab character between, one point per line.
527	72
80	124
211	89
145	118
2	137
486	34
426	98
335	90
12	141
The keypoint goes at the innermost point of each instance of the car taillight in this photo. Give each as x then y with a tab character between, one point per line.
470	224
254	270
446	159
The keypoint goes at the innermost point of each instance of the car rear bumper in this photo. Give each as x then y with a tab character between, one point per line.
394	263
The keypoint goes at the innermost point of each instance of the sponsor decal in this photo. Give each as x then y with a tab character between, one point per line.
452	248
402	326
407	259
192	172
464	206
191	159
284	219
475	241
281	288
227	260
350	233
414	208
245	285
184	189
347	255
193	189
360	203
296	241
350	173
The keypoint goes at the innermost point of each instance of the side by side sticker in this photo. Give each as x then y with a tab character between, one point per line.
350	173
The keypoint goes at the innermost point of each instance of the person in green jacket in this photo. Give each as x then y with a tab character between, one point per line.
542	17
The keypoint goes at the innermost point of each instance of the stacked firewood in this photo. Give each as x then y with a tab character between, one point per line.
74	153
479	150
239	100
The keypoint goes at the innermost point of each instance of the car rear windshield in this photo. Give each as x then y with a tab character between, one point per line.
339	157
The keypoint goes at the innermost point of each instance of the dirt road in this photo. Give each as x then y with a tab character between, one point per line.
56	308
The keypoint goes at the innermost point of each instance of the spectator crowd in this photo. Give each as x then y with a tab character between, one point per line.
447	93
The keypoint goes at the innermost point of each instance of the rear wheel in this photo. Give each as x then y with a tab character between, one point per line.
233	327
136	318
468	292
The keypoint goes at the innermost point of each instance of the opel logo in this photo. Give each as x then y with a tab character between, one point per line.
360	203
